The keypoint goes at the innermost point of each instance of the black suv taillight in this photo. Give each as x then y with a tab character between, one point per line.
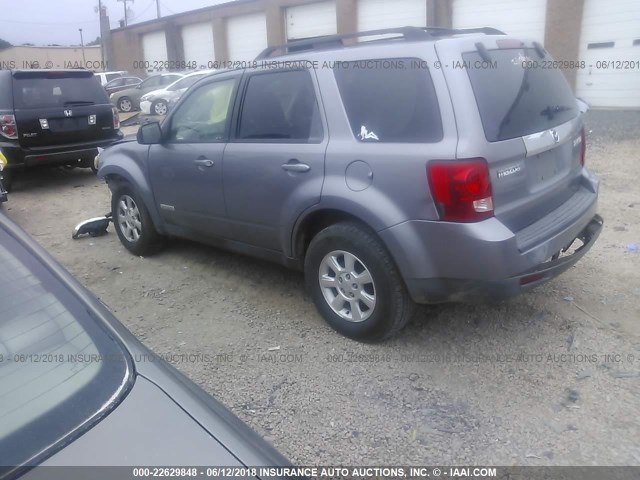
461	189
8	127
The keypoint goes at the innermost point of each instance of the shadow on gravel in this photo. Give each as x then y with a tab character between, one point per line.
51	178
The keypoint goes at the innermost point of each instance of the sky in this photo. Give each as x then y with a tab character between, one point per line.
44	22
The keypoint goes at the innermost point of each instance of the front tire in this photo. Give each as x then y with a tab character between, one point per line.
125	105
133	223
355	284
159	108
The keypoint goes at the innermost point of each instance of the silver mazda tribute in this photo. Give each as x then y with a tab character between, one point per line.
425	166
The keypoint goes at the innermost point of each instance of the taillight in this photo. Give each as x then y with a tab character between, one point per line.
116	118
8	127
583	146
461	189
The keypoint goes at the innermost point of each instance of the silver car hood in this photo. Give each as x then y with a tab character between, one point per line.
147	428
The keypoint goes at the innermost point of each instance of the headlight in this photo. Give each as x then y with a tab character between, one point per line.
3	161
146	97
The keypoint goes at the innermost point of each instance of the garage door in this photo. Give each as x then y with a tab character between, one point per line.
522	18
197	40
312	20
154	48
377	14
610	45
246	36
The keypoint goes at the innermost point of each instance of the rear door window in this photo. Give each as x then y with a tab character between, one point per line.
56	89
389	100
280	107
517	96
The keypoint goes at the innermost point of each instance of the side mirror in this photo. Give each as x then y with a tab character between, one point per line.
149	134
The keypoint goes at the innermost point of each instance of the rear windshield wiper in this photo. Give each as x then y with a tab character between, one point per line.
551	110
78	102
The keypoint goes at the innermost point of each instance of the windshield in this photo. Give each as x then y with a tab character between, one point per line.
58	367
57	90
185	82
519	96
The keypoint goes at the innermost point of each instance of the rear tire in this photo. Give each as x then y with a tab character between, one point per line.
355	284
7	179
133	223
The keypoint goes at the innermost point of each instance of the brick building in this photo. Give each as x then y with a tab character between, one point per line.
603	34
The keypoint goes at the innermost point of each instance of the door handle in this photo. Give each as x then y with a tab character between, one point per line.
204	162
295	166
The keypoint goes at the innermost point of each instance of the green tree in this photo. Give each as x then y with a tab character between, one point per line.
4	44
95	42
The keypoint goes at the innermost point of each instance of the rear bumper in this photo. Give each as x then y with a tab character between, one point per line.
451	290
443	262
19	157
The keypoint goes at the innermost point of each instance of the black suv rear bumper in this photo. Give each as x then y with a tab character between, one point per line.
21	157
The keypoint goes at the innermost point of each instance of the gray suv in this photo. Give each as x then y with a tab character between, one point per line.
426	166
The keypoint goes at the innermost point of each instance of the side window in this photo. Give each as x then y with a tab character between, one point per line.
111	76
203	116
280	107
152	82
132	81
393	101
116	83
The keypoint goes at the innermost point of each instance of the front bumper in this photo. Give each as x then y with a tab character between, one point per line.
145	107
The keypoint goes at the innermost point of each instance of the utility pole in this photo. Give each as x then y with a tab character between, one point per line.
84	60
104	68
126	20
158	7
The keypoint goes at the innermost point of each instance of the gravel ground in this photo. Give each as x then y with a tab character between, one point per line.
549	378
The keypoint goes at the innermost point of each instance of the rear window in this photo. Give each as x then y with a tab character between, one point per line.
517	96
55	89
391	100
58	366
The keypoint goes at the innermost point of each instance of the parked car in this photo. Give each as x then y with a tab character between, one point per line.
106	77
122	83
129	99
53	117
78	389
157	102
433	185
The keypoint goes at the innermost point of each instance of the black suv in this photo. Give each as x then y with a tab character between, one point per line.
53	117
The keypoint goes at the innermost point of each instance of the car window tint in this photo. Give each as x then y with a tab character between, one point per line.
519	96
58	367
57	91
280	106
132	81
204	114
389	100
116	83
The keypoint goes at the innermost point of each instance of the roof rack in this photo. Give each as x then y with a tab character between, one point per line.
404	33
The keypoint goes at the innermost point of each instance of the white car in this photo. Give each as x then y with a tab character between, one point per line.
106	77
157	101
